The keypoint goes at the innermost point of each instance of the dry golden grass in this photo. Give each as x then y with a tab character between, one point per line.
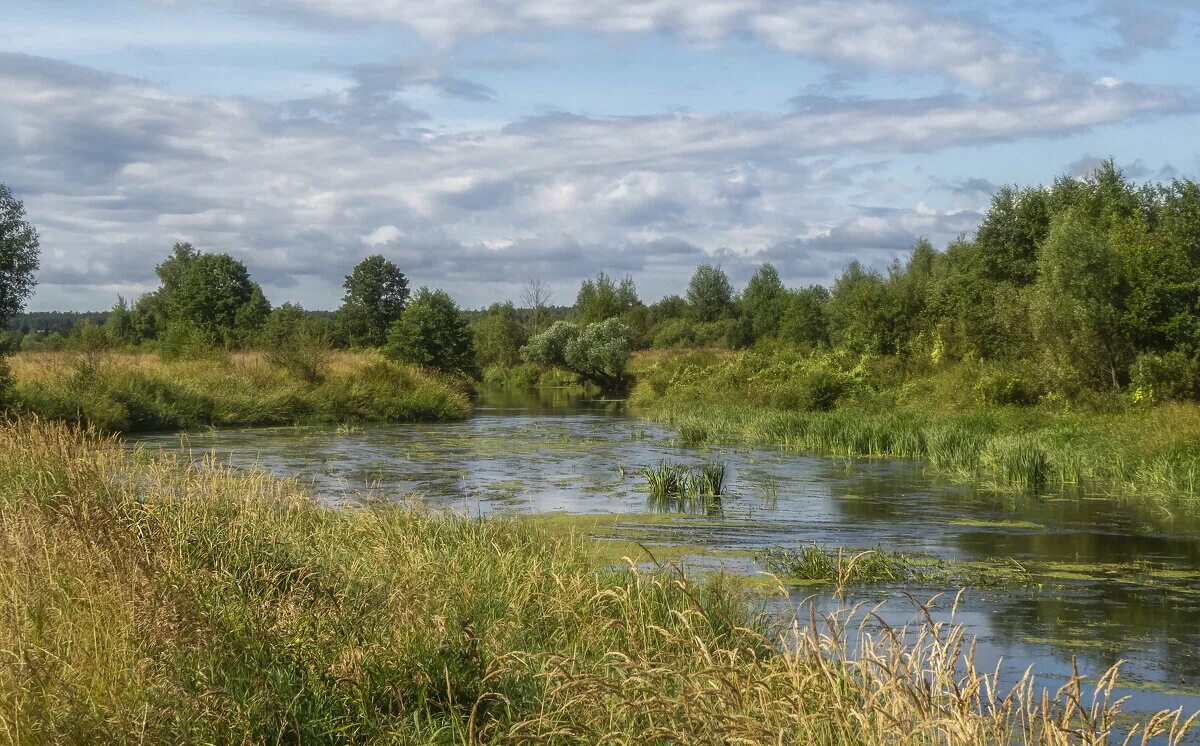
128	392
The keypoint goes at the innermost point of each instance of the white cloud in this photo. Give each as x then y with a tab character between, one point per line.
114	170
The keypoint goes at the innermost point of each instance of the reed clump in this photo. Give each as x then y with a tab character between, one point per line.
668	480
165	600
140	392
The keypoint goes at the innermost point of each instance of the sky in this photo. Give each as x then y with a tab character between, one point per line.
478	143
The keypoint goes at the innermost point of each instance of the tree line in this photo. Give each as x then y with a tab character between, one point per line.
1086	284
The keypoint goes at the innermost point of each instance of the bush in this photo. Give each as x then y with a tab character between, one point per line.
1172	376
1008	386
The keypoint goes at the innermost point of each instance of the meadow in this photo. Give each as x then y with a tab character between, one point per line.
949	419
132	392
164	600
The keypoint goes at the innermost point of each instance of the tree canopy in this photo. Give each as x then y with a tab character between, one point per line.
376	292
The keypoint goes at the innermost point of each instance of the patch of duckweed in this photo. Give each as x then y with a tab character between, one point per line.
979	523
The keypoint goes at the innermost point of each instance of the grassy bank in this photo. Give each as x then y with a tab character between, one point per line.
163	601
138	392
946	418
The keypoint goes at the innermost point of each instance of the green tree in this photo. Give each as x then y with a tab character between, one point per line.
433	332
119	326
861	312
18	256
499	336
217	297
709	295
1079	301
603	298
598	353
804	320
376	293
763	302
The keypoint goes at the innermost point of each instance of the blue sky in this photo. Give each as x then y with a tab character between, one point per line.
481	142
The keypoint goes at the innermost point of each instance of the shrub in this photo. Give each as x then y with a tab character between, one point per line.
1172	376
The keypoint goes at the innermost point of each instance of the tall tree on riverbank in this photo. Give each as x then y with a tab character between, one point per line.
18	256
376	292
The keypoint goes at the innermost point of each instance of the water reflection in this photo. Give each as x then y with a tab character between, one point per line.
1123	578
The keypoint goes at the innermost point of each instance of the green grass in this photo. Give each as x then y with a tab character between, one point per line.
130	393
674	481
1104	447
164	601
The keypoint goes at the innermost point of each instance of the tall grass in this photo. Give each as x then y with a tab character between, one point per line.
126	392
168	601
937	418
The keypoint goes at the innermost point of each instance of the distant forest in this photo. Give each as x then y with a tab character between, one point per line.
1094	282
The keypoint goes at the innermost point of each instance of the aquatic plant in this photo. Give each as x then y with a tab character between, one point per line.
839	566
668	480
708	480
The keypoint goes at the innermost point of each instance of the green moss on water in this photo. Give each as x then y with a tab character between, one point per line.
978	523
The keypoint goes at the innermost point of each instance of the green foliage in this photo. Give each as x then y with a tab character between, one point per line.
598	353
296	342
376	292
709	294
1174	375
120	326
804	320
1079	301
602	299
499	336
433	332
18	256
764	301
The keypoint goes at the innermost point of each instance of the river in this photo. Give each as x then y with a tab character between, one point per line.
1114	579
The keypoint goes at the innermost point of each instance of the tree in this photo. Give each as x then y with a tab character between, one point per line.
763	302
18	256
119	326
536	296
861	313
217	297
376	292
433	332
1079	301
805	321
499	336
602	299
598	353
709	295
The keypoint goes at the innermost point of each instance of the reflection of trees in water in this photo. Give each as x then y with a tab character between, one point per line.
547	400
1089	547
1122	624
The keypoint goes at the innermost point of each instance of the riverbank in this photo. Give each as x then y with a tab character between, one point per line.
140	392
166	601
945	419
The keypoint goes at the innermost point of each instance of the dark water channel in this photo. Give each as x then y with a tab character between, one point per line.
1112	579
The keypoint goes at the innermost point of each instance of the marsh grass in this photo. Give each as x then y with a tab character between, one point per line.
670	481
130	392
160	600
841	567
1103	446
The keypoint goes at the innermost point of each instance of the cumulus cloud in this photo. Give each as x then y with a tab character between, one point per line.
114	169
878	34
